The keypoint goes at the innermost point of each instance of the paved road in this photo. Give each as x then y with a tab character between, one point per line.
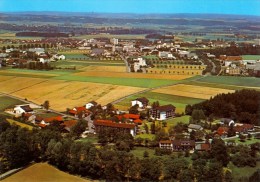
214	66
128	70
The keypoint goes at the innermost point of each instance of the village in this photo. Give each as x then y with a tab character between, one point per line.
170	55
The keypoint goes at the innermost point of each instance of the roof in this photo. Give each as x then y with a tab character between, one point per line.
42	125
203	146
165	142
168	107
138	121
195	126
69	123
222	130
230	58
26	108
93	102
112	124
51	119
183	142
142	99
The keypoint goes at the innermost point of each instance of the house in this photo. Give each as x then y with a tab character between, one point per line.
47	121
205	146
177	145
183	145
90	104
138	63
37	51
69	124
166	144
59	57
132	117
79	110
142	102
19	109
222	131
240	128
166	55
194	127
100	125
210	55
228	60
162	112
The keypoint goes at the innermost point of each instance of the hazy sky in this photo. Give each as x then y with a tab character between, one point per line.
243	7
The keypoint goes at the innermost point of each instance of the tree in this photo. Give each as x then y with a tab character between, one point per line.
134	109
186	175
145	154
219	151
188	109
155	104
197	116
153	128
46	105
146	128
79	128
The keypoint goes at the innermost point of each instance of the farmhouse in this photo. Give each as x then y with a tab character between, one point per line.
42	122
131	117
167	55
199	146
100	125
162	112
19	109
228	60
194	127
177	145
76	111
69	124
141	102
90	104
59	57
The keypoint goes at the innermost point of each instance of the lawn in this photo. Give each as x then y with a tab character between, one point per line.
251	57
75	56
247	141
43	172
232	80
90	139
7	102
20	124
238	172
173	121
139	152
135	82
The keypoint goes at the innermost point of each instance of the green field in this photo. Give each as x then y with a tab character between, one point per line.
75	56
178	101
139	152
251	57
84	63
23	125
238	172
7	102
135	82
232	80
173	121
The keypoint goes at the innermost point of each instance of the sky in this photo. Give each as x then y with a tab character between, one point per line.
240	7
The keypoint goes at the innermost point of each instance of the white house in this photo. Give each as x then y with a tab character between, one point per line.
163	54
37	51
19	109
141	102
162	112
59	57
42	60
90	104
138	63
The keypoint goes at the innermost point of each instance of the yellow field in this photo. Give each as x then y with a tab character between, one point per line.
158	71
19	124
18	83
132	75
105	68
43	172
64	94
28	73
192	91
3	78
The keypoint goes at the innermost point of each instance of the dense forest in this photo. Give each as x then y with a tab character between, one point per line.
242	106
41	34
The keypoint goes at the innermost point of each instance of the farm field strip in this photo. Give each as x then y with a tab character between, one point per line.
23	125
68	94
4	78
27	73
132	75
105	68
192	91
251	82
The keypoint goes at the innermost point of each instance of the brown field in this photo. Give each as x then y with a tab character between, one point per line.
43	172
65	94
132	75
105	68
18	83
192	91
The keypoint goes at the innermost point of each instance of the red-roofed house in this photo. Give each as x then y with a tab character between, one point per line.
77	110
100	125
69	124
47	121
222	131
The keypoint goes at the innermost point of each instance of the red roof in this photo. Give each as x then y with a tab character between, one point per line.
222	130
138	121
51	119
42	125
69	123
110	123
128	116
165	142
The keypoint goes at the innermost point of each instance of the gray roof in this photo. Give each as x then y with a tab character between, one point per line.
195	127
